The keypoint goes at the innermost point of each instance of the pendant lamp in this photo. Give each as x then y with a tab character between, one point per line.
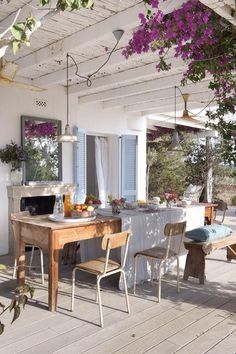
175	142
67	137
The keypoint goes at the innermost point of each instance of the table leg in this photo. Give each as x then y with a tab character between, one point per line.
20	255
53	273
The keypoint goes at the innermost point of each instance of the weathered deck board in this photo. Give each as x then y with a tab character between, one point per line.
197	320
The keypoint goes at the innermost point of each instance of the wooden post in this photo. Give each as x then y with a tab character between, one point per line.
208	174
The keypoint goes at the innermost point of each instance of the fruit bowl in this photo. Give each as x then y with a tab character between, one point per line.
82	211
82	214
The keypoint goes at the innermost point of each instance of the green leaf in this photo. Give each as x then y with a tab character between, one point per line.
18	31
1	328
2	267
31	292
17	311
44	2
31	23
16	46
23	300
27	43
12	305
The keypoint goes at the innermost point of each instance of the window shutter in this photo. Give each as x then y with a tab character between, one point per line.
79	159
129	167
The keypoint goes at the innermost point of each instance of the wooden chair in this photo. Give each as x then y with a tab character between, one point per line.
193	193
222	206
161	254
104	267
14	216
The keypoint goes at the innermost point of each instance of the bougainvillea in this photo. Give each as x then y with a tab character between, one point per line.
40	130
206	42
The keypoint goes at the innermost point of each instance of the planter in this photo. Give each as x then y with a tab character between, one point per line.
16	176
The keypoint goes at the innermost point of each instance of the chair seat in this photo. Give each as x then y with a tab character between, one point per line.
156	252
96	266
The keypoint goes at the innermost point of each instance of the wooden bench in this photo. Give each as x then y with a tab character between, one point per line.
197	252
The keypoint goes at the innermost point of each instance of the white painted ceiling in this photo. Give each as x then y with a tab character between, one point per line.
132	84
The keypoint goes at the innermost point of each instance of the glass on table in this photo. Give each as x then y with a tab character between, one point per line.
58	208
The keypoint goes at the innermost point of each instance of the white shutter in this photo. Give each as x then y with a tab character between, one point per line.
79	163
129	167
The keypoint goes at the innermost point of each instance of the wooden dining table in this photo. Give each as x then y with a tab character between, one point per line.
51	237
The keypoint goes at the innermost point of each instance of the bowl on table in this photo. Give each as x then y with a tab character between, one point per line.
130	205
185	203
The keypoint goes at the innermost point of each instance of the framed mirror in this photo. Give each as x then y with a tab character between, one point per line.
39	138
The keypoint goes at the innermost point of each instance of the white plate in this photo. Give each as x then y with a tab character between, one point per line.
60	218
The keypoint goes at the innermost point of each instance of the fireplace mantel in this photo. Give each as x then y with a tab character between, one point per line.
16	193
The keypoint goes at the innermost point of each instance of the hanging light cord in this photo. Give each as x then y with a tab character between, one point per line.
67	89
88	77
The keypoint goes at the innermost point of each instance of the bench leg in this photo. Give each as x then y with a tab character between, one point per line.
195	265
231	252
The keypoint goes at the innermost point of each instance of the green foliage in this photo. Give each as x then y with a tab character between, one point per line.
172	172
233	200
42	165
13	154
17	304
21	32
167	170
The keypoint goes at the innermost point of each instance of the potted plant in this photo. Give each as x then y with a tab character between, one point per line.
15	155
116	204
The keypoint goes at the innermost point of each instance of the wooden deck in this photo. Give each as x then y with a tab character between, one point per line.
200	319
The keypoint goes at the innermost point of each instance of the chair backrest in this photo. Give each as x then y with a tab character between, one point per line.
193	193
115	241
172	230
221	206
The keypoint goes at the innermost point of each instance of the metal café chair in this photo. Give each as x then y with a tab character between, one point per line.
104	266
15	216
223	207
161	255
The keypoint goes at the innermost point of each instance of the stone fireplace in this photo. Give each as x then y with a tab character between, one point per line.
19	200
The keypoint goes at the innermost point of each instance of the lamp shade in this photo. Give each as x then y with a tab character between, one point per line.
67	137
175	143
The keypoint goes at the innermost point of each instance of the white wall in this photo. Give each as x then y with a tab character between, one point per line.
15	102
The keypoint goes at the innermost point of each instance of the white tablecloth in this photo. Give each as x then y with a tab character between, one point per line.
147	231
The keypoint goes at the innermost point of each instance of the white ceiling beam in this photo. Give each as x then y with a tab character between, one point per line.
88	36
82	38
194	97
125	77
32	8
165	108
184	122
222	9
84	69
149	106
169	119
155	95
134	89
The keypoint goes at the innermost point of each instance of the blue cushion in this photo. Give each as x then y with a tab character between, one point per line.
209	233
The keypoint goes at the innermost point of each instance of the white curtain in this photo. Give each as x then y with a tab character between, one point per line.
101	158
